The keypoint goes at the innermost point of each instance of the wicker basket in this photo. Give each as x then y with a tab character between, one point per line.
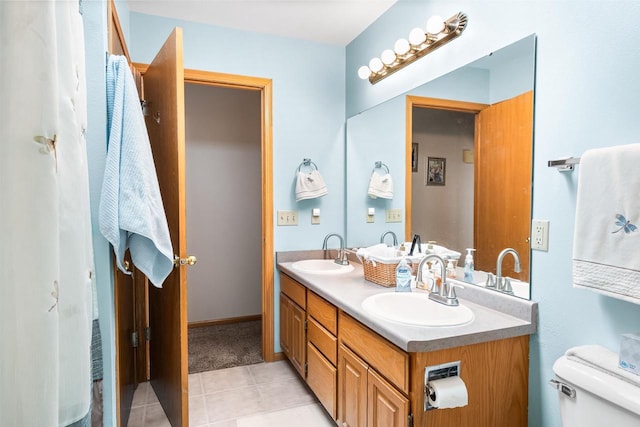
383	273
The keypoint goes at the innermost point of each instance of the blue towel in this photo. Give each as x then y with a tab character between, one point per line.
131	213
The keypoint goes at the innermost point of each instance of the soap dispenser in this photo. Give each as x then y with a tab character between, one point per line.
468	266
403	276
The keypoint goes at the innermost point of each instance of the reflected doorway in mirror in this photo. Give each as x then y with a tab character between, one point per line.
435	169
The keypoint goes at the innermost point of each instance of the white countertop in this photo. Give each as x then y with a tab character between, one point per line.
496	316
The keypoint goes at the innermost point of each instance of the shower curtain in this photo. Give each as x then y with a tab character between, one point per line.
46	259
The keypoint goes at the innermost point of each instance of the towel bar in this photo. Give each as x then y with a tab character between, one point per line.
564	165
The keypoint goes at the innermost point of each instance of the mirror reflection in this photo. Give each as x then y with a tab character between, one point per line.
459	151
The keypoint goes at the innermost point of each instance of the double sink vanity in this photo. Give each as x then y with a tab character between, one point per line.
365	350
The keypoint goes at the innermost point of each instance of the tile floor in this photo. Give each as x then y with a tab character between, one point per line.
261	395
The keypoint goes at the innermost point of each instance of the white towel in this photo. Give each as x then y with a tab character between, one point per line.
380	186
310	185
131	214
606	236
603	360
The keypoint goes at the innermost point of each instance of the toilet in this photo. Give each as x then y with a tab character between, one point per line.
593	396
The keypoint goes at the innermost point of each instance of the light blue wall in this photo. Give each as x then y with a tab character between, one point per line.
586	97
308	112
95	33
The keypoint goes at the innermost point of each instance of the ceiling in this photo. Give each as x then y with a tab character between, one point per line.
335	22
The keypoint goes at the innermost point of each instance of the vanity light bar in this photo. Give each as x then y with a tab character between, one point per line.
438	33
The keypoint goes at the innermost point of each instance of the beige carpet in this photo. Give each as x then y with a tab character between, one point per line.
225	346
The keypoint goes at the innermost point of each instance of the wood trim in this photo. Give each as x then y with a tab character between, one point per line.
436	104
265	86
205	323
115	29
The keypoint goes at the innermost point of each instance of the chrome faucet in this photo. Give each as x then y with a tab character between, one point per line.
503	283
446	293
395	238
341	258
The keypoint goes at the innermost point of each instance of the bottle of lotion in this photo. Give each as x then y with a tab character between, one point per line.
468	266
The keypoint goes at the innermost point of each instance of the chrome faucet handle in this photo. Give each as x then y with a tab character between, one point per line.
451	294
491	281
506	286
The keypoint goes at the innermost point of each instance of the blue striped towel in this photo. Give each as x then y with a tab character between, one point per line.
131	213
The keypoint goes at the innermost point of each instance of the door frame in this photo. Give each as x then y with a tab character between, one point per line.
264	86
434	104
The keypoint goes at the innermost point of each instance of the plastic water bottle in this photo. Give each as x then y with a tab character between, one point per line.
403	276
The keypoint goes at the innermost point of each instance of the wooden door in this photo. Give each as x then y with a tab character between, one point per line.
504	150
124	299
298	347
285	325
352	389
321	378
386	406
164	92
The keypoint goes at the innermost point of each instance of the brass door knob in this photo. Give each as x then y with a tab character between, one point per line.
190	260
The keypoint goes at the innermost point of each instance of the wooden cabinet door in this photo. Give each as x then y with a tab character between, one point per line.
352	389
386	406
285	325
321	378
298	347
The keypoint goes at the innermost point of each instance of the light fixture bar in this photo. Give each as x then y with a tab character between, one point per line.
453	27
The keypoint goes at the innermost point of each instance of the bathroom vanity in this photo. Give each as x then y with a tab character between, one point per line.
367	371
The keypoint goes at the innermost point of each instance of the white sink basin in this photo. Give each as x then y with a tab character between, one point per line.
416	309
321	266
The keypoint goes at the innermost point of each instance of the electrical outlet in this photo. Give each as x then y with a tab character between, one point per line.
540	234
287	217
393	215
371	215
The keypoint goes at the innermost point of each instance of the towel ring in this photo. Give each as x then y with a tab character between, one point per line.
380	165
307	162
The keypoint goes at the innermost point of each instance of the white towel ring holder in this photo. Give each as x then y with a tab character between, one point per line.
307	162
380	165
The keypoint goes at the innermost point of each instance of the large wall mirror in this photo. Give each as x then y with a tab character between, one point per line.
459	152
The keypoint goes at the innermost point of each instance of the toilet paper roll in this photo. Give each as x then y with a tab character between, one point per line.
448	392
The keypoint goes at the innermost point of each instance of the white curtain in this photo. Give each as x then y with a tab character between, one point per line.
46	259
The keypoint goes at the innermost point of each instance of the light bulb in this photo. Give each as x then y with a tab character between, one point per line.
388	56
417	37
376	64
364	72
435	25
401	46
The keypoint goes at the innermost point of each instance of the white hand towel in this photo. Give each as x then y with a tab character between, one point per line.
606	236
603	360
380	186
131	211
310	185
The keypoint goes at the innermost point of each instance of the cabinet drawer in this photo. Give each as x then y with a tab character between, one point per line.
323	311
386	358
323	340
293	290
322	379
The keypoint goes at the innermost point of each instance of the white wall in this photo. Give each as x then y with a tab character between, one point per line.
443	213
223	202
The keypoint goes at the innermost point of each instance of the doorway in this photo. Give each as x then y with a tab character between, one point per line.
223	141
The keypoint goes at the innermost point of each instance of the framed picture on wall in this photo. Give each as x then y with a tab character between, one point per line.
434	173
414	157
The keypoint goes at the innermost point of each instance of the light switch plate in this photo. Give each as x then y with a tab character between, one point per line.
540	235
393	215
287	217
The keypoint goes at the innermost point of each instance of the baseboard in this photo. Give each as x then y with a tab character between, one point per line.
279	356
204	323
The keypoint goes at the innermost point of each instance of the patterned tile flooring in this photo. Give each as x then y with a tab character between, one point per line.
261	395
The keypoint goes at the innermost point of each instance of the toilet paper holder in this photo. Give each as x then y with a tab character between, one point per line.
437	372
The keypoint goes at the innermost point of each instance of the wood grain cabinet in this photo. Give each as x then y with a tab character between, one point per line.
293	334
363	380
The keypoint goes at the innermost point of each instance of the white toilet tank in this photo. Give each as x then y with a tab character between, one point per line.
602	397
